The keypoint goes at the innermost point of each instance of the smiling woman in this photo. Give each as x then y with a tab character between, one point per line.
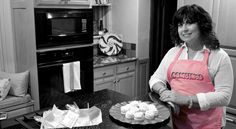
188	68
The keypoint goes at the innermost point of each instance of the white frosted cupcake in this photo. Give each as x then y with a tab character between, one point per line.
149	114
134	109
153	108
134	103
143	106
129	114
138	116
124	108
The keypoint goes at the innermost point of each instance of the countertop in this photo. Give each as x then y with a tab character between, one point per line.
104	100
101	60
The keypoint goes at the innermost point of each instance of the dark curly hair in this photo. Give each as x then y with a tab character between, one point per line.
194	14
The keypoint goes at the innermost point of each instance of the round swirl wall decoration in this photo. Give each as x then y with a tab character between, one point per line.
110	44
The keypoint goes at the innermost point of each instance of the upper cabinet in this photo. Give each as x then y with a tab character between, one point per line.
226	25
80	3
101	16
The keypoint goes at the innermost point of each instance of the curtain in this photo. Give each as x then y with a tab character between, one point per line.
161	16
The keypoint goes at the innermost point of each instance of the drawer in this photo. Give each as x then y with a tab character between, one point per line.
104	83
125	67
104	71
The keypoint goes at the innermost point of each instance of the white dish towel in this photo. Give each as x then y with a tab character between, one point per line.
71	76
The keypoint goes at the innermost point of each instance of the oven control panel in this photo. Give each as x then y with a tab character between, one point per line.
64	56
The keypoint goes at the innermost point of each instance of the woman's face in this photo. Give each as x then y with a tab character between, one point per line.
189	32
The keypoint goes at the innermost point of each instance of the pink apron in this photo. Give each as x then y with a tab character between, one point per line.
190	77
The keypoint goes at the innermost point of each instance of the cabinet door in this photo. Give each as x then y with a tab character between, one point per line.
104	83
233	102
230	125
226	26
125	83
103	72
142	77
231	107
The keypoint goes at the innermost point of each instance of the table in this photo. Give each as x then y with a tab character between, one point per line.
104	100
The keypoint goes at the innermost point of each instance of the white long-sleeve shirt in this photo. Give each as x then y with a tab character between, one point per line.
220	70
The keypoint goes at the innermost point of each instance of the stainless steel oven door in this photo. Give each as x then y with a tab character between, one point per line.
50	74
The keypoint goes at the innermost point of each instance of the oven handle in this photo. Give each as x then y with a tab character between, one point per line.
50	65
60	63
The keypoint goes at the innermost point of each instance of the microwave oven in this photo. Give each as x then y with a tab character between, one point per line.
60	26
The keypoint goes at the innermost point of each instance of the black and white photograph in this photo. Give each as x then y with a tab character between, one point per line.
117	64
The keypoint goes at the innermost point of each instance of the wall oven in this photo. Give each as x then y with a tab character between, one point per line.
57	27
50	73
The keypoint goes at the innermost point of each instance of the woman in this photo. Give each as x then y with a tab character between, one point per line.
198	71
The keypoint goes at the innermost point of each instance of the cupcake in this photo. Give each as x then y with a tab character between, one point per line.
134	109
153	108
129	114
149	114
124	108
143	106
138	116
134	103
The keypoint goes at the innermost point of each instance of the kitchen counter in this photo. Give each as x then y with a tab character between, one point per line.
104	100
100	60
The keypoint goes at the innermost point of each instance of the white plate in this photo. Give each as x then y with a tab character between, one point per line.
163	115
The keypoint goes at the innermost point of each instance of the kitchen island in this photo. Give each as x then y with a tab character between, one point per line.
104	100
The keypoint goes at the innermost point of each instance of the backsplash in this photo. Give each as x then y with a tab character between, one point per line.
129	49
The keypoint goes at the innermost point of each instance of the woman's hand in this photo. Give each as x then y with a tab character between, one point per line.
175	97
166	94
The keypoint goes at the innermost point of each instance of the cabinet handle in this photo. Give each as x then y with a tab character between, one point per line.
228	119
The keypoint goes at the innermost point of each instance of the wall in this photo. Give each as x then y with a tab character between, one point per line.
1	53
143	29
17	41
132	19
206	4
125	19
7	57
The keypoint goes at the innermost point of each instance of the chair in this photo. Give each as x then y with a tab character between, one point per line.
18	101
